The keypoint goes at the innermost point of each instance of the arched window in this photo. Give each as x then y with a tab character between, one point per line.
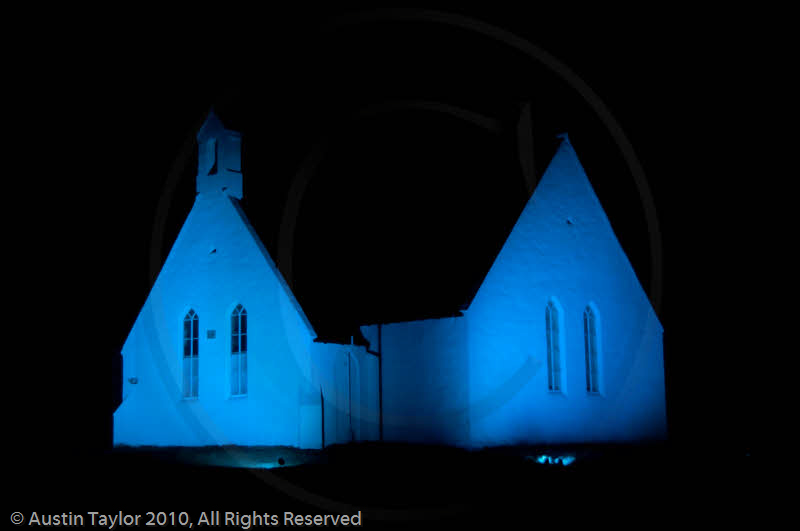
553	347
191	326
590	345
239	351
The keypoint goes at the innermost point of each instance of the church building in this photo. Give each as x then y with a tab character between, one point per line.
559	344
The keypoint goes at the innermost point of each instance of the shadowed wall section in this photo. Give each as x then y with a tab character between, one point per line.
425	381
347	376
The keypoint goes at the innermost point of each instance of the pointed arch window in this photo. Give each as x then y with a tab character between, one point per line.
239	351
590	346
551	320
191	327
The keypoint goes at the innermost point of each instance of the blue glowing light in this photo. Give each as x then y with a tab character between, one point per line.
543	459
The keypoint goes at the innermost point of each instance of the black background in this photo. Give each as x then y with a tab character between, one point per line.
407	208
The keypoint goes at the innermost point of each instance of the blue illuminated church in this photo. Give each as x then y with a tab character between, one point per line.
559	344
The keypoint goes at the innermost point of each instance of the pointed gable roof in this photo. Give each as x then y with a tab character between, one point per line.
563	196
564	152
272	265
212	126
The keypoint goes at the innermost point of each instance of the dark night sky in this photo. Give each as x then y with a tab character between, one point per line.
405	208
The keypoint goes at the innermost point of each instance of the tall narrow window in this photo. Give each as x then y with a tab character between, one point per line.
239	351
553	348
590	345
191	326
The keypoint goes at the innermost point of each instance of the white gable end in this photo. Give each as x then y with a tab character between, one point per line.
216	263
563	251
563	237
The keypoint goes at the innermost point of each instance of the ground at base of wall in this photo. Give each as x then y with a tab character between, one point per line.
401	486
230	456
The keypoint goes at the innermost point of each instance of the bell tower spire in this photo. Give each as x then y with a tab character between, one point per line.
219	165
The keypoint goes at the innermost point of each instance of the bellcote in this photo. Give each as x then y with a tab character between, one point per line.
219	164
